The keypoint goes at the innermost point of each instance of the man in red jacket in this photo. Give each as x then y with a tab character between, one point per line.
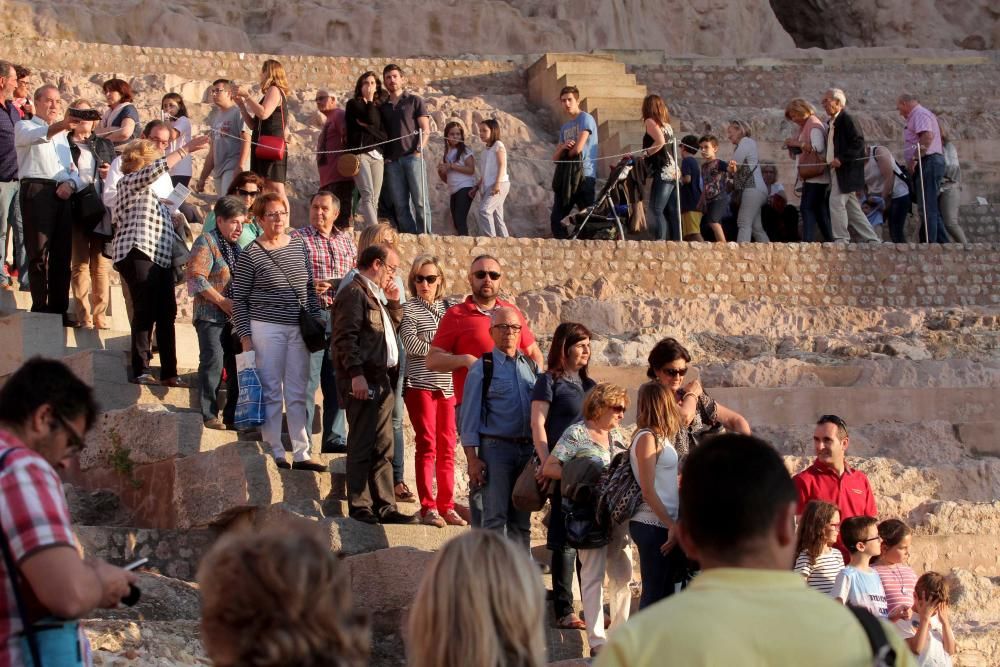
830	479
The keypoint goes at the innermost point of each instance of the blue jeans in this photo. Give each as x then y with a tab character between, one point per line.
216	350
322	375
397	418
582	198
664	224
815	209
655	568
898	210
933	173
405	180
504	462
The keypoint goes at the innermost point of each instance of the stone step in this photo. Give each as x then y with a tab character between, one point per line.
589	66
590	84
612	108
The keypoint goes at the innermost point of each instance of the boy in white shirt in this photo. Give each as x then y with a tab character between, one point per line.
858	584
928	632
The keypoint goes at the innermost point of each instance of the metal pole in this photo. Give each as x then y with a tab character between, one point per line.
923	195
425	195
677	190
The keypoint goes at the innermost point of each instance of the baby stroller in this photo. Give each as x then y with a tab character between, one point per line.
607	218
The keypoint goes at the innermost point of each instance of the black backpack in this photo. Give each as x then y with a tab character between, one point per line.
883	655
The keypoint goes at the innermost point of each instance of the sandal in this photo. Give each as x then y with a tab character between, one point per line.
571	622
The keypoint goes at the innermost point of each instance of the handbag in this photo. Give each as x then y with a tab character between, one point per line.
250	403
528	495
583	530
348	165
743	178
313	329
620	495
88	208
271	148
179	257
811	165
50	642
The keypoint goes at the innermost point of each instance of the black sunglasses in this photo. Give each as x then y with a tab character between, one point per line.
430	280
76	443
247	193
675	372
832	419
480	275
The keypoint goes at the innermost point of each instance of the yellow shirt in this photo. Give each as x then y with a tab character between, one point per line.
749	618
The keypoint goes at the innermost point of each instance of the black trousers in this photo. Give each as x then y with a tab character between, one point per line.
152	289
48	243
370	448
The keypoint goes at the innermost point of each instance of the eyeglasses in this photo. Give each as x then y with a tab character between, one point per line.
481	275
508	328
871	539
275	215
675	372
217	91
161	142
247	193
392	269
75	442
620	409
430	280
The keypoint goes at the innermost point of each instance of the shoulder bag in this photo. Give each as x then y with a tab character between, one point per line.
268	147
313	329
811	165
528	494
743	178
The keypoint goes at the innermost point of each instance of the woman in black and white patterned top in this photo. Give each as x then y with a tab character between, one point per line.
429	396
142	252
272	282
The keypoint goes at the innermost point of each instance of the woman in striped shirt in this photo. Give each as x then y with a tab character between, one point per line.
429	396
271	285
817	560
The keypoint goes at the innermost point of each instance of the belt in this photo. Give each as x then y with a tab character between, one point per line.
513	441
47	181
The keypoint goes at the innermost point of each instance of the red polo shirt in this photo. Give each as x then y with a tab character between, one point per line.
465	329
850	492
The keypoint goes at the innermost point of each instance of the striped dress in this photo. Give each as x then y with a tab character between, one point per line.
821	574
420	323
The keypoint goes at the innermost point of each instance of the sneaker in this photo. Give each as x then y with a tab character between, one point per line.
432	518
145	378
452	518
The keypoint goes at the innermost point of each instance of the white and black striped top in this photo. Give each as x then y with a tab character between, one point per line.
261	292
821	574
420	323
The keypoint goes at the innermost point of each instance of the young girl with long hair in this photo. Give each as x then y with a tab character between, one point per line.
176	115
495	183
458	170
898	578
816	558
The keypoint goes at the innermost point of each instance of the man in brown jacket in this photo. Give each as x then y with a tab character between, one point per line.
366	315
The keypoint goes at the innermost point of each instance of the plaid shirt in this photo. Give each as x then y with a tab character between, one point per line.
331	256
142	220
33	516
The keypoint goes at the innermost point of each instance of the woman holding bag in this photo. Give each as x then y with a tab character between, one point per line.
271	286
808	149
744	170
268	119
89	268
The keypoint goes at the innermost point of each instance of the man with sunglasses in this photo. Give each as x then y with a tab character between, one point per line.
45	411
464	336
831	480
230	153
496	424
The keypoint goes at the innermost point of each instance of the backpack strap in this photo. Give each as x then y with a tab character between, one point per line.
487	379
882	651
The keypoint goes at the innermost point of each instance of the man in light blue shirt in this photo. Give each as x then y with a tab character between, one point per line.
496	428
577	139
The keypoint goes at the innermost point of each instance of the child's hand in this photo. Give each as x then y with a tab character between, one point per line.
943	612
900	614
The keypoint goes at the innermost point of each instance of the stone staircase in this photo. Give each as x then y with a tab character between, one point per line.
609	93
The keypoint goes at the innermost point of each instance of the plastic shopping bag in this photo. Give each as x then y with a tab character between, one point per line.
250	405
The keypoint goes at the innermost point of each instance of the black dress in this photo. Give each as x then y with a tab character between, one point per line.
272	126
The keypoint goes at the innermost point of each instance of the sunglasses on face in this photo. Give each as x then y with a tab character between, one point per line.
620	409
675	372
430	280
247	193
481	275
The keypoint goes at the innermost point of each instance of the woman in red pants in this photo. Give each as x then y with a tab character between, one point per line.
429	396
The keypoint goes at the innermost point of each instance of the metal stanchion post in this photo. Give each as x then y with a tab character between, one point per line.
923	196
425	195
677	188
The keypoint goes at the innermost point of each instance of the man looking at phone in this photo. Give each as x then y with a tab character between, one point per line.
366	315
45	412
48	180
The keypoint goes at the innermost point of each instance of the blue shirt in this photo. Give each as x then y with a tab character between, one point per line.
690	192
8	155
571	131
508	413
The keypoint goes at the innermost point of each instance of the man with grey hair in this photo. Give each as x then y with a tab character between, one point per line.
845	153
10	211
496	424
922	142
48	179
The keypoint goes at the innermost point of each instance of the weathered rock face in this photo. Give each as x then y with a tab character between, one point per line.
830	24
343	27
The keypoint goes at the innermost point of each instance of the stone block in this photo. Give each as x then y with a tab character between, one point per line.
26	335
982	437
394	569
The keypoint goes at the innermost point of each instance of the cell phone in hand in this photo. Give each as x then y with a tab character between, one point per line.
84	114
136	564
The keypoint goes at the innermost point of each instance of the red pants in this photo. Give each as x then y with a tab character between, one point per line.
433	419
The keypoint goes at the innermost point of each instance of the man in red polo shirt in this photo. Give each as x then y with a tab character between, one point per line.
830	479
464	334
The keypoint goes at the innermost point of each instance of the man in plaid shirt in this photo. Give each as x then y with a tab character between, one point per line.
45	411
332	254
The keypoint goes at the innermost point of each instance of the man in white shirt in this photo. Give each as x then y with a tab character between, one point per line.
48	180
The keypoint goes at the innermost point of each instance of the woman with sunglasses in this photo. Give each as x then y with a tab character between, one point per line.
599	437
429	396
668	365
246	186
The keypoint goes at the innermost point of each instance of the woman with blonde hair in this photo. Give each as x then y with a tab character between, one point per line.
809	146
481	604
744	170
142	252
654	463
297	611
657	146
429	396
268	118
386	233
599	437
